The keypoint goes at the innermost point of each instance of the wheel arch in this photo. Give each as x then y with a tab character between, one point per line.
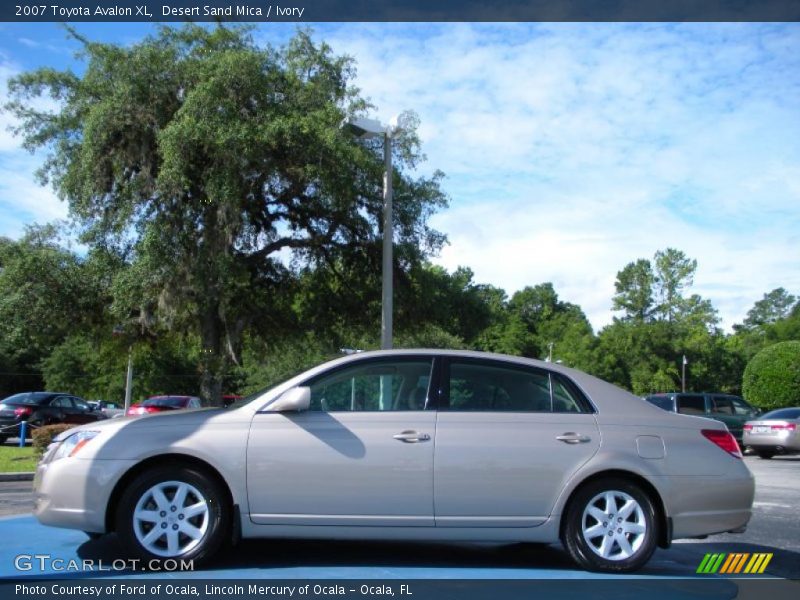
664	530
174	459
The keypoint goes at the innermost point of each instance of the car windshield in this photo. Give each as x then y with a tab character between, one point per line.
167	401
782	413
25	398
277	380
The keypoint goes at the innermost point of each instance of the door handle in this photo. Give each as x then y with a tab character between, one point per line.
411	437
573	438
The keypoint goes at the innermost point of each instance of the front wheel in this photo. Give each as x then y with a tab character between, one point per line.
611	526
173	513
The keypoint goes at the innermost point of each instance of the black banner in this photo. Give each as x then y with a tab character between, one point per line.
400	10
618	588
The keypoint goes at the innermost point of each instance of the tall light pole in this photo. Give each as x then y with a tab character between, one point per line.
368	128
683	373
119	331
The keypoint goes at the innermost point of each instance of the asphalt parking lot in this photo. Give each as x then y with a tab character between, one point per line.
775	528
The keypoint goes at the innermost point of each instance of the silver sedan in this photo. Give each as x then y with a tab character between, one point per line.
406	445
776	432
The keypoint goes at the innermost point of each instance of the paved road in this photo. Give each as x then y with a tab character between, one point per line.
775	527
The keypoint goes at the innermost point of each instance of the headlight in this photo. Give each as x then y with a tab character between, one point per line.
71	445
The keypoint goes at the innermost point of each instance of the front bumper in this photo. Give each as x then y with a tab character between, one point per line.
74	493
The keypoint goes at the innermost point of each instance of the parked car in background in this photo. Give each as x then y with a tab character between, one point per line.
109	409
431	445
156	404
228	399
43	408
775	432
729	409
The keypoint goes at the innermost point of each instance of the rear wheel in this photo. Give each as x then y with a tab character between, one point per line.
765	454
173	513
610	526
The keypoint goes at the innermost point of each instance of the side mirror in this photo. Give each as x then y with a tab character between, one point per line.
296	399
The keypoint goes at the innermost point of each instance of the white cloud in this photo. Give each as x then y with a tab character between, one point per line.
573	149
22	200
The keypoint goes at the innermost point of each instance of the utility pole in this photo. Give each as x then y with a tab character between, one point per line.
683	374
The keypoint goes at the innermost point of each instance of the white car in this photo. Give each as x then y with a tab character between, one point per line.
109	409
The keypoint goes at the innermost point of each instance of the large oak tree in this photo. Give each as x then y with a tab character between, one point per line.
209	161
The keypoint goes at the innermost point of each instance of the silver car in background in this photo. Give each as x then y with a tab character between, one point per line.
406	445
776	432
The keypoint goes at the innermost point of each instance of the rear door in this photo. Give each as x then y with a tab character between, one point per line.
734	414
508	437
82	412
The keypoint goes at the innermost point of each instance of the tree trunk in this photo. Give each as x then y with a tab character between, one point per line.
213	360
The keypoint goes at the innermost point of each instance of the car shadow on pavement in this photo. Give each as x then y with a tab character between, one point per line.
458	559
272	554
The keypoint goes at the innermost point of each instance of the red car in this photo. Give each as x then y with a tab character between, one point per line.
156	404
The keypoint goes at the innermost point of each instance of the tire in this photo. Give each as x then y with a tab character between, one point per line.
633	536
93	535
765	454
3	439
194	527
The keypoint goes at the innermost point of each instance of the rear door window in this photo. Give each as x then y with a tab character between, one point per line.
720	405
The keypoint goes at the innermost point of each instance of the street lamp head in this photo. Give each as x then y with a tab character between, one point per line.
361	127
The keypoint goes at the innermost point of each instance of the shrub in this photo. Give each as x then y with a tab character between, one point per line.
43	436
772	377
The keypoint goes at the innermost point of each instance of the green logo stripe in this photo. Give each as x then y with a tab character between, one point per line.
702	567
711	563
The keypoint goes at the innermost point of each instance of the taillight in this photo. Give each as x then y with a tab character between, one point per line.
786	427
748	427
23	411
723	439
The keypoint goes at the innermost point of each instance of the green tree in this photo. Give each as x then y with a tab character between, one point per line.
772	378
634	290
204	159
532	320
674	272
774	306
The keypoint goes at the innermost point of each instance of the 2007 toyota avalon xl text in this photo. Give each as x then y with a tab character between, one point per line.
406	445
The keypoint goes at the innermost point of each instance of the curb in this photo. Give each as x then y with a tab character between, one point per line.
16	476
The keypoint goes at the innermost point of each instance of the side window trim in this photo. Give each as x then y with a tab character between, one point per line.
447	361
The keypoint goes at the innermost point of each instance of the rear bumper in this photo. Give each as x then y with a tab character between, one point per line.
729	503
10	428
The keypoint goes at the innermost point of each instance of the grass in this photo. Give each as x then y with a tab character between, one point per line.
17	460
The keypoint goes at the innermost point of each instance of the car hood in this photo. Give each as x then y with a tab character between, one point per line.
136	438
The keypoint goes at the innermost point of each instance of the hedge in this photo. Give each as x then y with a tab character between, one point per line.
772	378
43	436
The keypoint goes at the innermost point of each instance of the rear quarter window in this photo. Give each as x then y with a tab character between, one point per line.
663	402
691	405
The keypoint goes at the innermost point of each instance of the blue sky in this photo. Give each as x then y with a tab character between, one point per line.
570	149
